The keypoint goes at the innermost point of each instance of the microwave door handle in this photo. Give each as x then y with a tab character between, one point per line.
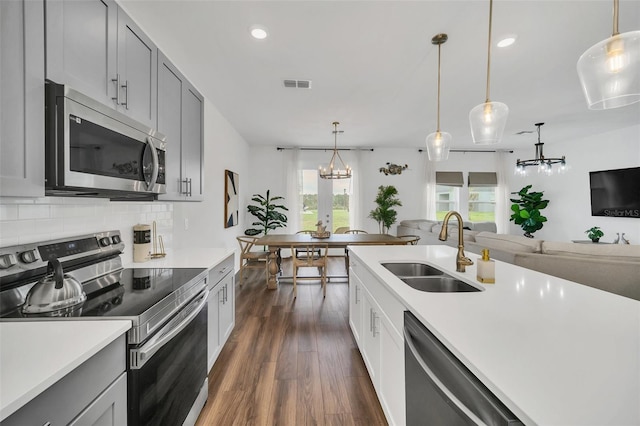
156	164
434	379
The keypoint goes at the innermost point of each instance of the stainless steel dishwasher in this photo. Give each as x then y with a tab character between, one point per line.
440	390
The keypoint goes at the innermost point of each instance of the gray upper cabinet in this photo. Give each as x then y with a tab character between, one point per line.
22	98
82	40
180	119
137	70
95	47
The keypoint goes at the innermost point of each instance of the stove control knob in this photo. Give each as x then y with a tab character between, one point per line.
105	241
116	239
7	261
29	256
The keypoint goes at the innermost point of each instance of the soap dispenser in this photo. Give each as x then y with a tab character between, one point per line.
486	269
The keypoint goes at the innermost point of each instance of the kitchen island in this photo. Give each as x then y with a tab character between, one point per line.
553	351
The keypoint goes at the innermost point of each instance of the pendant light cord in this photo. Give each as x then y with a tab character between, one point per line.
438	118
489	49
616	5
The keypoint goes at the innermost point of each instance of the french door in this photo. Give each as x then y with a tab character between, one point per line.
324	199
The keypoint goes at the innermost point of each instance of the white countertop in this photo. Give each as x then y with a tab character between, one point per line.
186	258
555	352
36	354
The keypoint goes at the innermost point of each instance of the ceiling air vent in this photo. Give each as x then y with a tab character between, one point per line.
300	84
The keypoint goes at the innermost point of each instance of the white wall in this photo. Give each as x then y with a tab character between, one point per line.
568	213
569	210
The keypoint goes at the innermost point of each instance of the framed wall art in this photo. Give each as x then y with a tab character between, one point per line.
230	198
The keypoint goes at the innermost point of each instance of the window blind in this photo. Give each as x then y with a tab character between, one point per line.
485	179
449	179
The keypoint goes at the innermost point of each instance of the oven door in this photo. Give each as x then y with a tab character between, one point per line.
167	372
99	149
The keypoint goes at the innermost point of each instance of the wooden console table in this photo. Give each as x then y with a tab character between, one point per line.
276	242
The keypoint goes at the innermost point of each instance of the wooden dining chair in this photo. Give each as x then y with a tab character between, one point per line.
301	252
410	239
252	258
341	230
310	260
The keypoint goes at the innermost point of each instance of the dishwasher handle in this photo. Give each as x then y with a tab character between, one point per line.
445	391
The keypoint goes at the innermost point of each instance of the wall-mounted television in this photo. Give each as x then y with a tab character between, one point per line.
615	193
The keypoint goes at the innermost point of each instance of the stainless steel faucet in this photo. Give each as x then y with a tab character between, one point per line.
461	260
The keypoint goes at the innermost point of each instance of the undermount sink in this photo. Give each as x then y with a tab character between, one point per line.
412	269
439	284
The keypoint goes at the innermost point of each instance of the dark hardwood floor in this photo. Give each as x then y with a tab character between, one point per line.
291	362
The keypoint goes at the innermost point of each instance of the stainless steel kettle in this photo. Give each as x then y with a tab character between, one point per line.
56	293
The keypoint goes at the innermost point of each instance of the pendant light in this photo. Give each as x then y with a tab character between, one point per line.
335	171
489	118
610	70
438	143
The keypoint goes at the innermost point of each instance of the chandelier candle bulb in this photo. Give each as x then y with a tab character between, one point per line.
486	269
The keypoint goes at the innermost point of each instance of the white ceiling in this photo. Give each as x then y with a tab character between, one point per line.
374	69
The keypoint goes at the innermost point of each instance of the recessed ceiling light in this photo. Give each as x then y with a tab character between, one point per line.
507	41
258	32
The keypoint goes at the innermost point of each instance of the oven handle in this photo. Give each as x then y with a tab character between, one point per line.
156	164
140	356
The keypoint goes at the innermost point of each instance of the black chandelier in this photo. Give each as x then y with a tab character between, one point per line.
543	163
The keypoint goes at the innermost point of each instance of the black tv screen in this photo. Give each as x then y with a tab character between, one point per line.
615	193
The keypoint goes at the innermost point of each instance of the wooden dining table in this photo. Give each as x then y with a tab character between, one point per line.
275	242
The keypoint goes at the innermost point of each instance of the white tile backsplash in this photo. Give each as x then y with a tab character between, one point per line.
40	219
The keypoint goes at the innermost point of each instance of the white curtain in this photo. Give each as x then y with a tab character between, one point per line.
355	200
503	204
292	178
429	179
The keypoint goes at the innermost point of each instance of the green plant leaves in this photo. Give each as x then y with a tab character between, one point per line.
526	210
267	213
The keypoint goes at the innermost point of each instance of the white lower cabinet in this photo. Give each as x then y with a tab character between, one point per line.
221	308
93	394
380	342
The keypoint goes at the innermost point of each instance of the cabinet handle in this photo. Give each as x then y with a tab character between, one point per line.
375	329
47	424
125	86
184	182
371	320
117	82
357	290
190	194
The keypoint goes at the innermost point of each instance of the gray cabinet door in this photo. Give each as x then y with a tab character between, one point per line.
193	142
213	336
180	119
227	308
137	67
81	46
170	88
22	98
109	409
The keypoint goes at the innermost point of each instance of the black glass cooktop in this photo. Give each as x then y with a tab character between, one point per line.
128	292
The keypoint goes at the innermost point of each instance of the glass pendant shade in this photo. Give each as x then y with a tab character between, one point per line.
610	72
438	145
487	122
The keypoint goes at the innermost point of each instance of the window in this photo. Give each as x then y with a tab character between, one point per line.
447	192
482	196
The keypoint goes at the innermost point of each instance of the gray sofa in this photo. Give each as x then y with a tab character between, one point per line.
610	267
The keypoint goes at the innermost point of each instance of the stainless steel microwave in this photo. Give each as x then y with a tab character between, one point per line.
93	150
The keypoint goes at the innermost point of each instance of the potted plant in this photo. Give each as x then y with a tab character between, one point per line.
269	214
384	214
526	210
594	234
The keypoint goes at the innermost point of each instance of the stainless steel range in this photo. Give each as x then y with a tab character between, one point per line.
167	353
